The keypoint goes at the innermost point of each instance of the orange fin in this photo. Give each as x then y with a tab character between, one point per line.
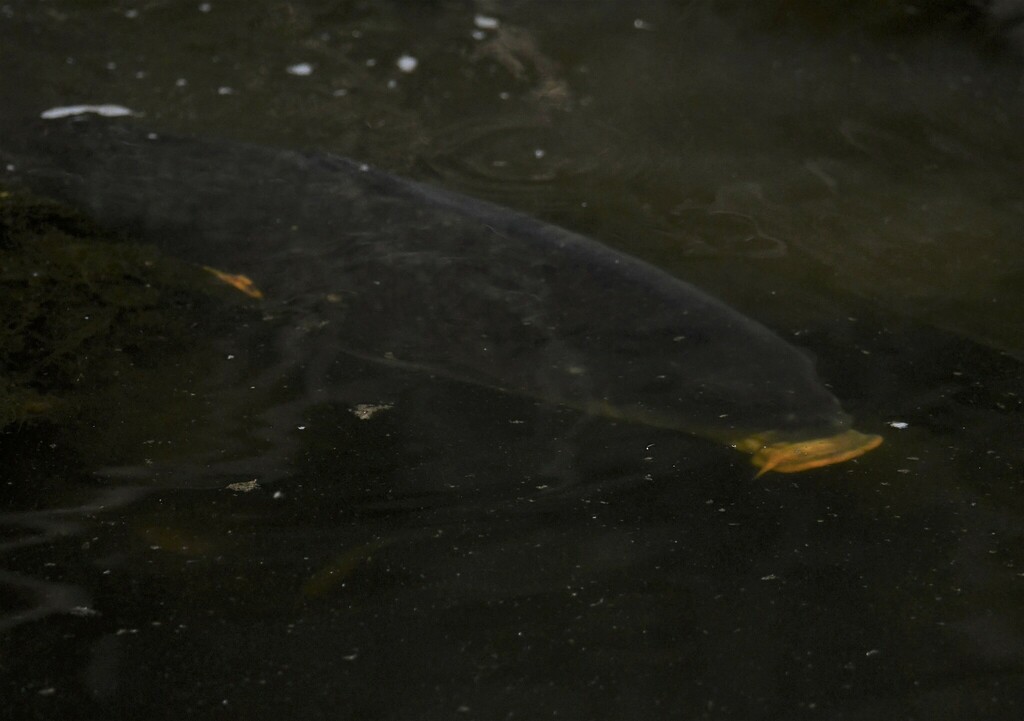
794	456
241	282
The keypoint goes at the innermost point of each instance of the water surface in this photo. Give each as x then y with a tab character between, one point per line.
855	183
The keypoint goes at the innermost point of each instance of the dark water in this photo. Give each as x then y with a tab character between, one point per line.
854	182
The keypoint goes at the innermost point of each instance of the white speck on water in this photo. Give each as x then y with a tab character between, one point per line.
131	14
641	24
152	136
48	691
205	7
363	167
769	577
107	111
371	62
478	34
351	657
340	93
485	22
301	428
180	82
392	84
872	652
900	425
231	356
111	65
277	495
504	95
539	153
225	90
10	167
407	63
300	69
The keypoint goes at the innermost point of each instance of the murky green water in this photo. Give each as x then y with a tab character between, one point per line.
854	181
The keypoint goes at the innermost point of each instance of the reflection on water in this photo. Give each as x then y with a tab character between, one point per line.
851	179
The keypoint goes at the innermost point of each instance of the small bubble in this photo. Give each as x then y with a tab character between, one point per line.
407	63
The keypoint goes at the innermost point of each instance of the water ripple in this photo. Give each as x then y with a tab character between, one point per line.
47	597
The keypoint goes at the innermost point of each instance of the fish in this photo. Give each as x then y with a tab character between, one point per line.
428	279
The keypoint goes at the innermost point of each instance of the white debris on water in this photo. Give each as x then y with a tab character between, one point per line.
225	90
300	69
83	611
641	24
205	7
407	63
485	22
66	111
243	486
900	425
366	411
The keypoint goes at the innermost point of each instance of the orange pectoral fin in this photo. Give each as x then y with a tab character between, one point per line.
241	282
794	456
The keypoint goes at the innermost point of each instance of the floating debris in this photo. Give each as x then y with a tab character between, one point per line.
407	63
243	486
366	411
300	69
66	111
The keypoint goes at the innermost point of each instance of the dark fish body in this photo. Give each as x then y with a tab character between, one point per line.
419	276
